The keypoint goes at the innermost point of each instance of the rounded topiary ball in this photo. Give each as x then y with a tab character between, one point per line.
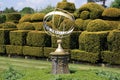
8	25
113	13
95	10
98	25
25	26
37	17
85	14
25	18
79	24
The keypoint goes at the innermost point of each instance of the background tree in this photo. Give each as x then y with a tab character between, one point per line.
116	4
27	10
9	10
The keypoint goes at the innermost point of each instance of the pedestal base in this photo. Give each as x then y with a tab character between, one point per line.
60	63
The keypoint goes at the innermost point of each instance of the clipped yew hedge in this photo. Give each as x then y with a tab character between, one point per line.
84	56
93	41
79	24
2	49
25	26
66	6
13	49
113	40
84	15
18	37
119	26
110	57
8	25
70	42
32	51
38	26
25	18
38	39
37	17
98	25
95	10
13	17
111	14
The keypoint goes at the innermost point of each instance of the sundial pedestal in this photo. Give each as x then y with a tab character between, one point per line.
60	63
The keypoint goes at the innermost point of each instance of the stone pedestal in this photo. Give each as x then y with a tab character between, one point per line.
60	63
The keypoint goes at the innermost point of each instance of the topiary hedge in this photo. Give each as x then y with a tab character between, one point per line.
93	41
79	25
84	56
37	17
119	26
25	18
33	51
38	26
70	42
2	49
95	10
13	17
18	37
85	15
110	57
86	22
111	14
25	26
2	18
13	49
8	25
66	6
114	41
38	39
98	25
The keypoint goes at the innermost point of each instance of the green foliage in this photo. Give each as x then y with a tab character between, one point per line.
25	26
38	39
70	42
109	75
79	24
25	18
98	25
18	37
13	49
119	26
93	41
38	26
13	17
8	25
95	10
85	14
12	74
2	18
66	6
86	22
114	41
115	4
9	10
33	51
2	49
37	17
84	56
27	10
48	9
110	57
47	51
111	13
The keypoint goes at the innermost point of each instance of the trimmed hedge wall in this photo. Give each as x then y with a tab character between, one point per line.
18	37
33	51
70	42
98	25
2	49
79	25
25	26
38	39
38	26
37	17
84	56
12	49
4	36
25	18
110	57
8	25
114	41
93	41
13	17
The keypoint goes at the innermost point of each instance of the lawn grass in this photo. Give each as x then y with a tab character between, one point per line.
40	70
